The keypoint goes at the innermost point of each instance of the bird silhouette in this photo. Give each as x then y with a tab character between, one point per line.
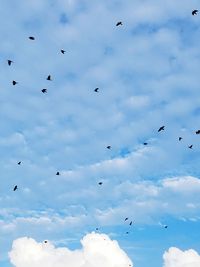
62	51
198	132
15	188
130	223
100	183
9	62
145	144
165	226
44	91
14	82
127	233
119	23
194	12
96	90
57	173
19	163
126	219
190	146
108	147
161	128
31	38
180	138
45	241
49	78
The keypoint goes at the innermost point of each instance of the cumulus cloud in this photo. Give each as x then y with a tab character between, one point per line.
175	257
97	250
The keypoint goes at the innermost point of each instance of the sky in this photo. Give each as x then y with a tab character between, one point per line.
147	72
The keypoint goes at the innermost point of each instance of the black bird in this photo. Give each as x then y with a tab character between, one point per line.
44	91
57	173
119	23
127	233
190	146
100	183
145	144
126	219
31	38
62	51
49	78
9	62
198	132
19	163
45	241
97	229
15	188
108	147
161	128
130	223
96	90
194	12
180	138
165	226
14	82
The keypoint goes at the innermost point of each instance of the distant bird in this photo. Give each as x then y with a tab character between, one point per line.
126	219
62	51
15	188
19	163
45	241
57	173
127	233
194	12
96	90
145	144
165	226
44	91
119	23
190	146
161	128
180	138
31	38
9	62
198	132
130	223
108	147
100	183
97	229
49	78
14	82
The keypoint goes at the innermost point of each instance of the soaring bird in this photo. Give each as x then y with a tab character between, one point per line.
100	183
15	188
130	223
45	241
31	38
108	147
145	144
119	23
19	163
14	82
190	146
96	90
62	51
180	138
198	132
161	128
9	62
57	173
165	226
194	12
49	78
126	219
44	91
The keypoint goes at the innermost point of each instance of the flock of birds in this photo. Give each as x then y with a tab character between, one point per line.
96	90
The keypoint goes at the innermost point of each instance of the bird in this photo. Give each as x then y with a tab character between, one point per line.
19	163
161	128
100	183
190	146
45	241
49	78
96	90
97	229
108	147
126	219
127	233
145	144
62	51
198	132
44	91
14	82
130	223
165	226
9	62
180	138
57	173
119	23
15	188
31	38
194	12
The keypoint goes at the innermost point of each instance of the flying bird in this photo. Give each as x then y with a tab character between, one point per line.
108	147
100	183
49	78
130	223
127	233
190	146
14	82
44	91
180	138
9	62
126	219
15	188
19	163
145	144
45	241
62	51
165	226
161	128
194	12
198	132
31	38
119	23
96	90
57	173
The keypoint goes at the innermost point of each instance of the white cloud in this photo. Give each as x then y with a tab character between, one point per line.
97	250
175	257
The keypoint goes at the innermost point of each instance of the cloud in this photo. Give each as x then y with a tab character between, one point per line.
175	257
97	250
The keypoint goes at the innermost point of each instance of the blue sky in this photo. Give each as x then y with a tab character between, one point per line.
147	72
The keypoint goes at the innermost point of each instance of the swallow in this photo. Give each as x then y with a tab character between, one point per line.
108	147
31	38
44	91
100	183
145	144
14	82
19	163
126	219
194	12
161	128
49	78
96	90
62	51
57	173
9	62
130	223
198	132
15	188
119	23
190	146
180	138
